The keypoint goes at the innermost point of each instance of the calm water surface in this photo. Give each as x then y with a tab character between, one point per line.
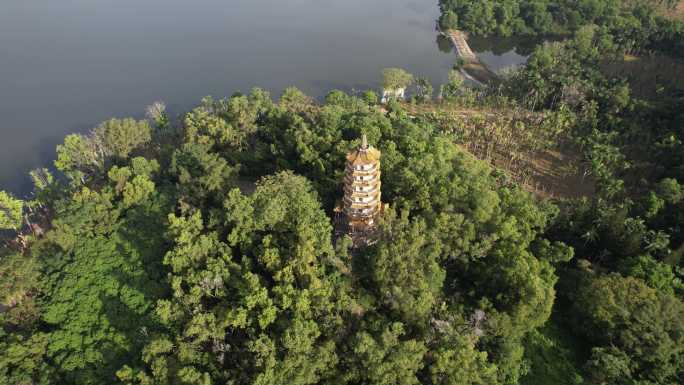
67	65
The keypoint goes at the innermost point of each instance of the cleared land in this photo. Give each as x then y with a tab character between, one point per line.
524	144
676	12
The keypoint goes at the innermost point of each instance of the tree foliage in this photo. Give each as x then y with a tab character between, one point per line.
396	78
638	331
203	251
10	211
156	269
638	23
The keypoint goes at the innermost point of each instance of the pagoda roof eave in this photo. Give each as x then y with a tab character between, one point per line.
362	156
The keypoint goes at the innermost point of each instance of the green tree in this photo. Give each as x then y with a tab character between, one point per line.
78	158
638	331
156	269
267	293
10	211
657	275
200	172
536	15
119	137
386	358
23	360
156	112
458	361
20	285
395	79
448	20
454	87
406	269
370	97
425	90
101	276
294	99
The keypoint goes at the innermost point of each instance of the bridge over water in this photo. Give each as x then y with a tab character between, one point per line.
460	42
472	67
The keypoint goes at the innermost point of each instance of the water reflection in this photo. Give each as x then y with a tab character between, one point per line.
520	45
444	44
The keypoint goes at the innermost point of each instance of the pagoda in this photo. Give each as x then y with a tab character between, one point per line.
362	204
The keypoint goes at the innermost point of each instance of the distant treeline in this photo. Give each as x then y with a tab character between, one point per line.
638	23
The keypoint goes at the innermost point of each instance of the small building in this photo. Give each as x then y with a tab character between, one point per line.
393	94
362	202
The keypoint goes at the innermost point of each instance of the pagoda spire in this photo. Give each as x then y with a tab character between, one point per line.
364	142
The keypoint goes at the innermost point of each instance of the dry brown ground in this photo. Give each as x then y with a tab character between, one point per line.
677	12
557	175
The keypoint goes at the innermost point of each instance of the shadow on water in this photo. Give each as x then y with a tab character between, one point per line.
519	45
444	44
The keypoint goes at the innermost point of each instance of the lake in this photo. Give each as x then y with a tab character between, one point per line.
67	65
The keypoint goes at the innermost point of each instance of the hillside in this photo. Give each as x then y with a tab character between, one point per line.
524	232
151	265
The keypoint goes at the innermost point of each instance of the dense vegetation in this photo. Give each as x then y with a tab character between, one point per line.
152	267
201	250
618	315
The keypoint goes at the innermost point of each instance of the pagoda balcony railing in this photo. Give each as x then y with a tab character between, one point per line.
369	194
362	214
361	180
368	185
353	170
362	173
365	177
372	201
362	189
363	197
364	166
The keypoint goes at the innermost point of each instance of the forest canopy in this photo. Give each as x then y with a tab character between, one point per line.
201	249
617	318
154	266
